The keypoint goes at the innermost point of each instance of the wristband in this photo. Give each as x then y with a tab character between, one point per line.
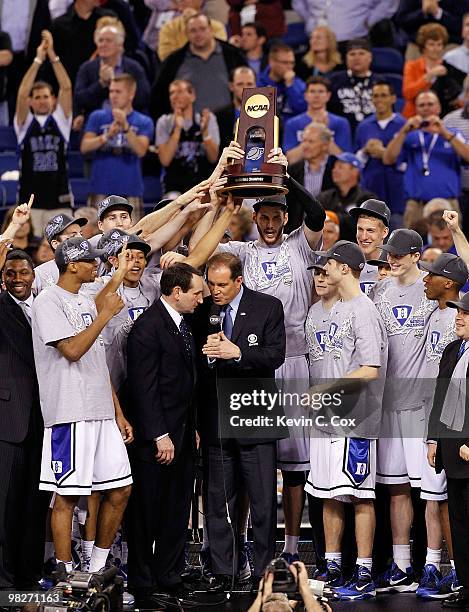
38	61
55	60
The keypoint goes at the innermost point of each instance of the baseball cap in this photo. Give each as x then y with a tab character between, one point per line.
162	203
319	265
75	249
380	261
112	242
345	252
350	158
279	200
113	201
358	43
403	242
372	208
448	265
463	304
59	223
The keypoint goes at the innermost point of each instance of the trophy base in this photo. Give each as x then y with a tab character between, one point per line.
256	184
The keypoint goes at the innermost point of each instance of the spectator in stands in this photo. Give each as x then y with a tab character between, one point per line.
352	87
78	24
459	57
317	95
94	76
413	14
240	78
252	42
432	153
350	19
173	34
162	11
44	253
24	22
440	236
331	230
119	136
346	192
268	12
204	61
89	213
280	73
322	57
430	254
459	120
187	142
430	72
241	225
6	57
24	239
372	137
42	126
313	170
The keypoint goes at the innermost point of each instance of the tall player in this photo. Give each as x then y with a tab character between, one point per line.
345	467
405	310
445	278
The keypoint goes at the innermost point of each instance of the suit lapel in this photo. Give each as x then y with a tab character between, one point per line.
242	315
16	328
174	332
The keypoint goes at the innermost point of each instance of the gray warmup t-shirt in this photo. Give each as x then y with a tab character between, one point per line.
282	272
316	328
357	337
69	391
45	275
116	332
405	311
368	278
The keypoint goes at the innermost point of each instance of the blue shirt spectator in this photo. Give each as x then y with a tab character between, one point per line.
372	136
280	74
317	95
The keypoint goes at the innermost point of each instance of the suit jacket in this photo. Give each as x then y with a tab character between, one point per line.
259	332
449	442
160	381
89	95
19	392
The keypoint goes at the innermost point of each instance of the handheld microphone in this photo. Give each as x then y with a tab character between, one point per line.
216	317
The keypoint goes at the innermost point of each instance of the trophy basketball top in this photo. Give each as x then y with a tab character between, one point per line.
257	132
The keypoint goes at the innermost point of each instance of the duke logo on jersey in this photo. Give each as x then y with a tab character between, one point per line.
367	287
402	313
87	318
434	339
333	327
134	313
321	337
269	267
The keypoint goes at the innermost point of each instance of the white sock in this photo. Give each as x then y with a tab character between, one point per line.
433	557
334	556
49	552
205	542
68	565
365	562
86	551
291	544
452	564
98	558
401	556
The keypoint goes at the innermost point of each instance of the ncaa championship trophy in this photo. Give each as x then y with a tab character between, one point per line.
257	132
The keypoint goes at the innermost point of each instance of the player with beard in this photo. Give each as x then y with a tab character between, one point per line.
372	219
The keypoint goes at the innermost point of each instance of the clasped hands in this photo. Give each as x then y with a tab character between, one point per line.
219	347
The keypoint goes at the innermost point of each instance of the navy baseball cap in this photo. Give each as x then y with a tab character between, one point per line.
345	252
372	208
112	242
403	242
447	265
279	200
113	202
380	261
463	304
76	249
59	223
319	265
350	158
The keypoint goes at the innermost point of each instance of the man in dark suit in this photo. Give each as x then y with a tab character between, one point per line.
161	378
248	349
23	507
449	425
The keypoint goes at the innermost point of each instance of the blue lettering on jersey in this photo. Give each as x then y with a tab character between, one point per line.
434	339
366	287
87	318
269	268
333	327
321	339
134	313
402	313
